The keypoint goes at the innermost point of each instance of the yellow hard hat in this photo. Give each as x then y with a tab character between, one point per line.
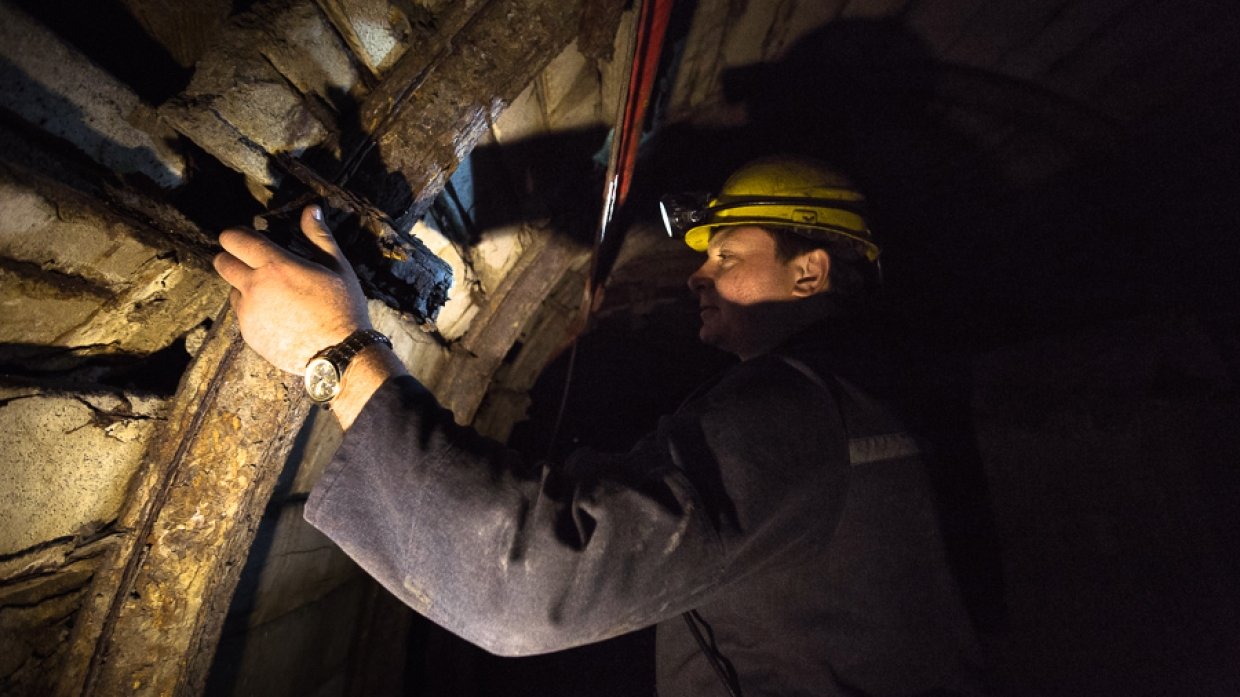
777	192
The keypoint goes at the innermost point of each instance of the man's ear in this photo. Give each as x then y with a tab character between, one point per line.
812	269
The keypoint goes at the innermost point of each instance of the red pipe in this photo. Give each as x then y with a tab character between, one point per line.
652	28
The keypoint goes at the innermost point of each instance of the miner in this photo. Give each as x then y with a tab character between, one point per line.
778	527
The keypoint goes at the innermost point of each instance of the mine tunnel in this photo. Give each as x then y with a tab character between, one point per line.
1055	184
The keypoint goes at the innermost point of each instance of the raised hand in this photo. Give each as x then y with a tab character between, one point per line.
289	308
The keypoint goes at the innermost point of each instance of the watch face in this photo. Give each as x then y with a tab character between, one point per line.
322	380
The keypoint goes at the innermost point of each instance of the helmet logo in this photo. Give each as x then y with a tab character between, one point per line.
802	215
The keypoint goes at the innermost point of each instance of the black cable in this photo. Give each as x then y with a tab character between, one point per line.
559	415
723	667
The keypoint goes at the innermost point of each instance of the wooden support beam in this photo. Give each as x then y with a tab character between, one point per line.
157	604
185	29
463	383
386	99
497	52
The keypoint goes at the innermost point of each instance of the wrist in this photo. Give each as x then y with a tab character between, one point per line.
365	374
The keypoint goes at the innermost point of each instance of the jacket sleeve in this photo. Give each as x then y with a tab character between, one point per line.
523	558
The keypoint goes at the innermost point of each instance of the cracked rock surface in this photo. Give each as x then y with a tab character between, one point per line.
79	282
66	459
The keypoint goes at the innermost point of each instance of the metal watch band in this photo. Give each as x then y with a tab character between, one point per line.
324	375
353	344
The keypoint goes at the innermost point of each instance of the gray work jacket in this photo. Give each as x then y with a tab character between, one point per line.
780	501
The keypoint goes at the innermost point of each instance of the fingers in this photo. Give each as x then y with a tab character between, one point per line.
245	252
232	269
316	231
251	249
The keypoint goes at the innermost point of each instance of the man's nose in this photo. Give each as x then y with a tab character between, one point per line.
699	280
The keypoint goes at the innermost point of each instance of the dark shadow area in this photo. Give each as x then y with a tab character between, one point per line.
56	115
108	35
444	665
631	369
214	195
1132	225
548	177
157	373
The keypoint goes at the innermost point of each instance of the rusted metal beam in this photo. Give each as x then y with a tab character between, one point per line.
152	620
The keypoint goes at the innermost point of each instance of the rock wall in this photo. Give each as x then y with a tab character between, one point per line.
108	209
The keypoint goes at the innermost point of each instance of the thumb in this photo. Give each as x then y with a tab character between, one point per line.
315	230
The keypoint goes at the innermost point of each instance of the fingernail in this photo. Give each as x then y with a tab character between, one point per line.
316	213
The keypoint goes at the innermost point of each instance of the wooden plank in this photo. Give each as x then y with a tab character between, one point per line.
384	102
463	382
156	606
487	64
545	333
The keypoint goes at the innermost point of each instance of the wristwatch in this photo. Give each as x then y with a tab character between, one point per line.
325	371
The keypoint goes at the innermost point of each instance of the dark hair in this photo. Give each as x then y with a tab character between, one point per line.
852	276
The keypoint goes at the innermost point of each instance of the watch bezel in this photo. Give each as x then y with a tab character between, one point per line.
312	379
338	358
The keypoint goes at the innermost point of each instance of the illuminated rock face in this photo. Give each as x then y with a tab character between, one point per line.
107	295
53	86
83	282
66	460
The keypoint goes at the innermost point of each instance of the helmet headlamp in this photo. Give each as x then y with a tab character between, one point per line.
681	212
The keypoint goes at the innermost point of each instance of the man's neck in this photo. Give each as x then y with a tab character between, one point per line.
782	328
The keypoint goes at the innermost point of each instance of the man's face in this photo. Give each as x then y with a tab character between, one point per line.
740	289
